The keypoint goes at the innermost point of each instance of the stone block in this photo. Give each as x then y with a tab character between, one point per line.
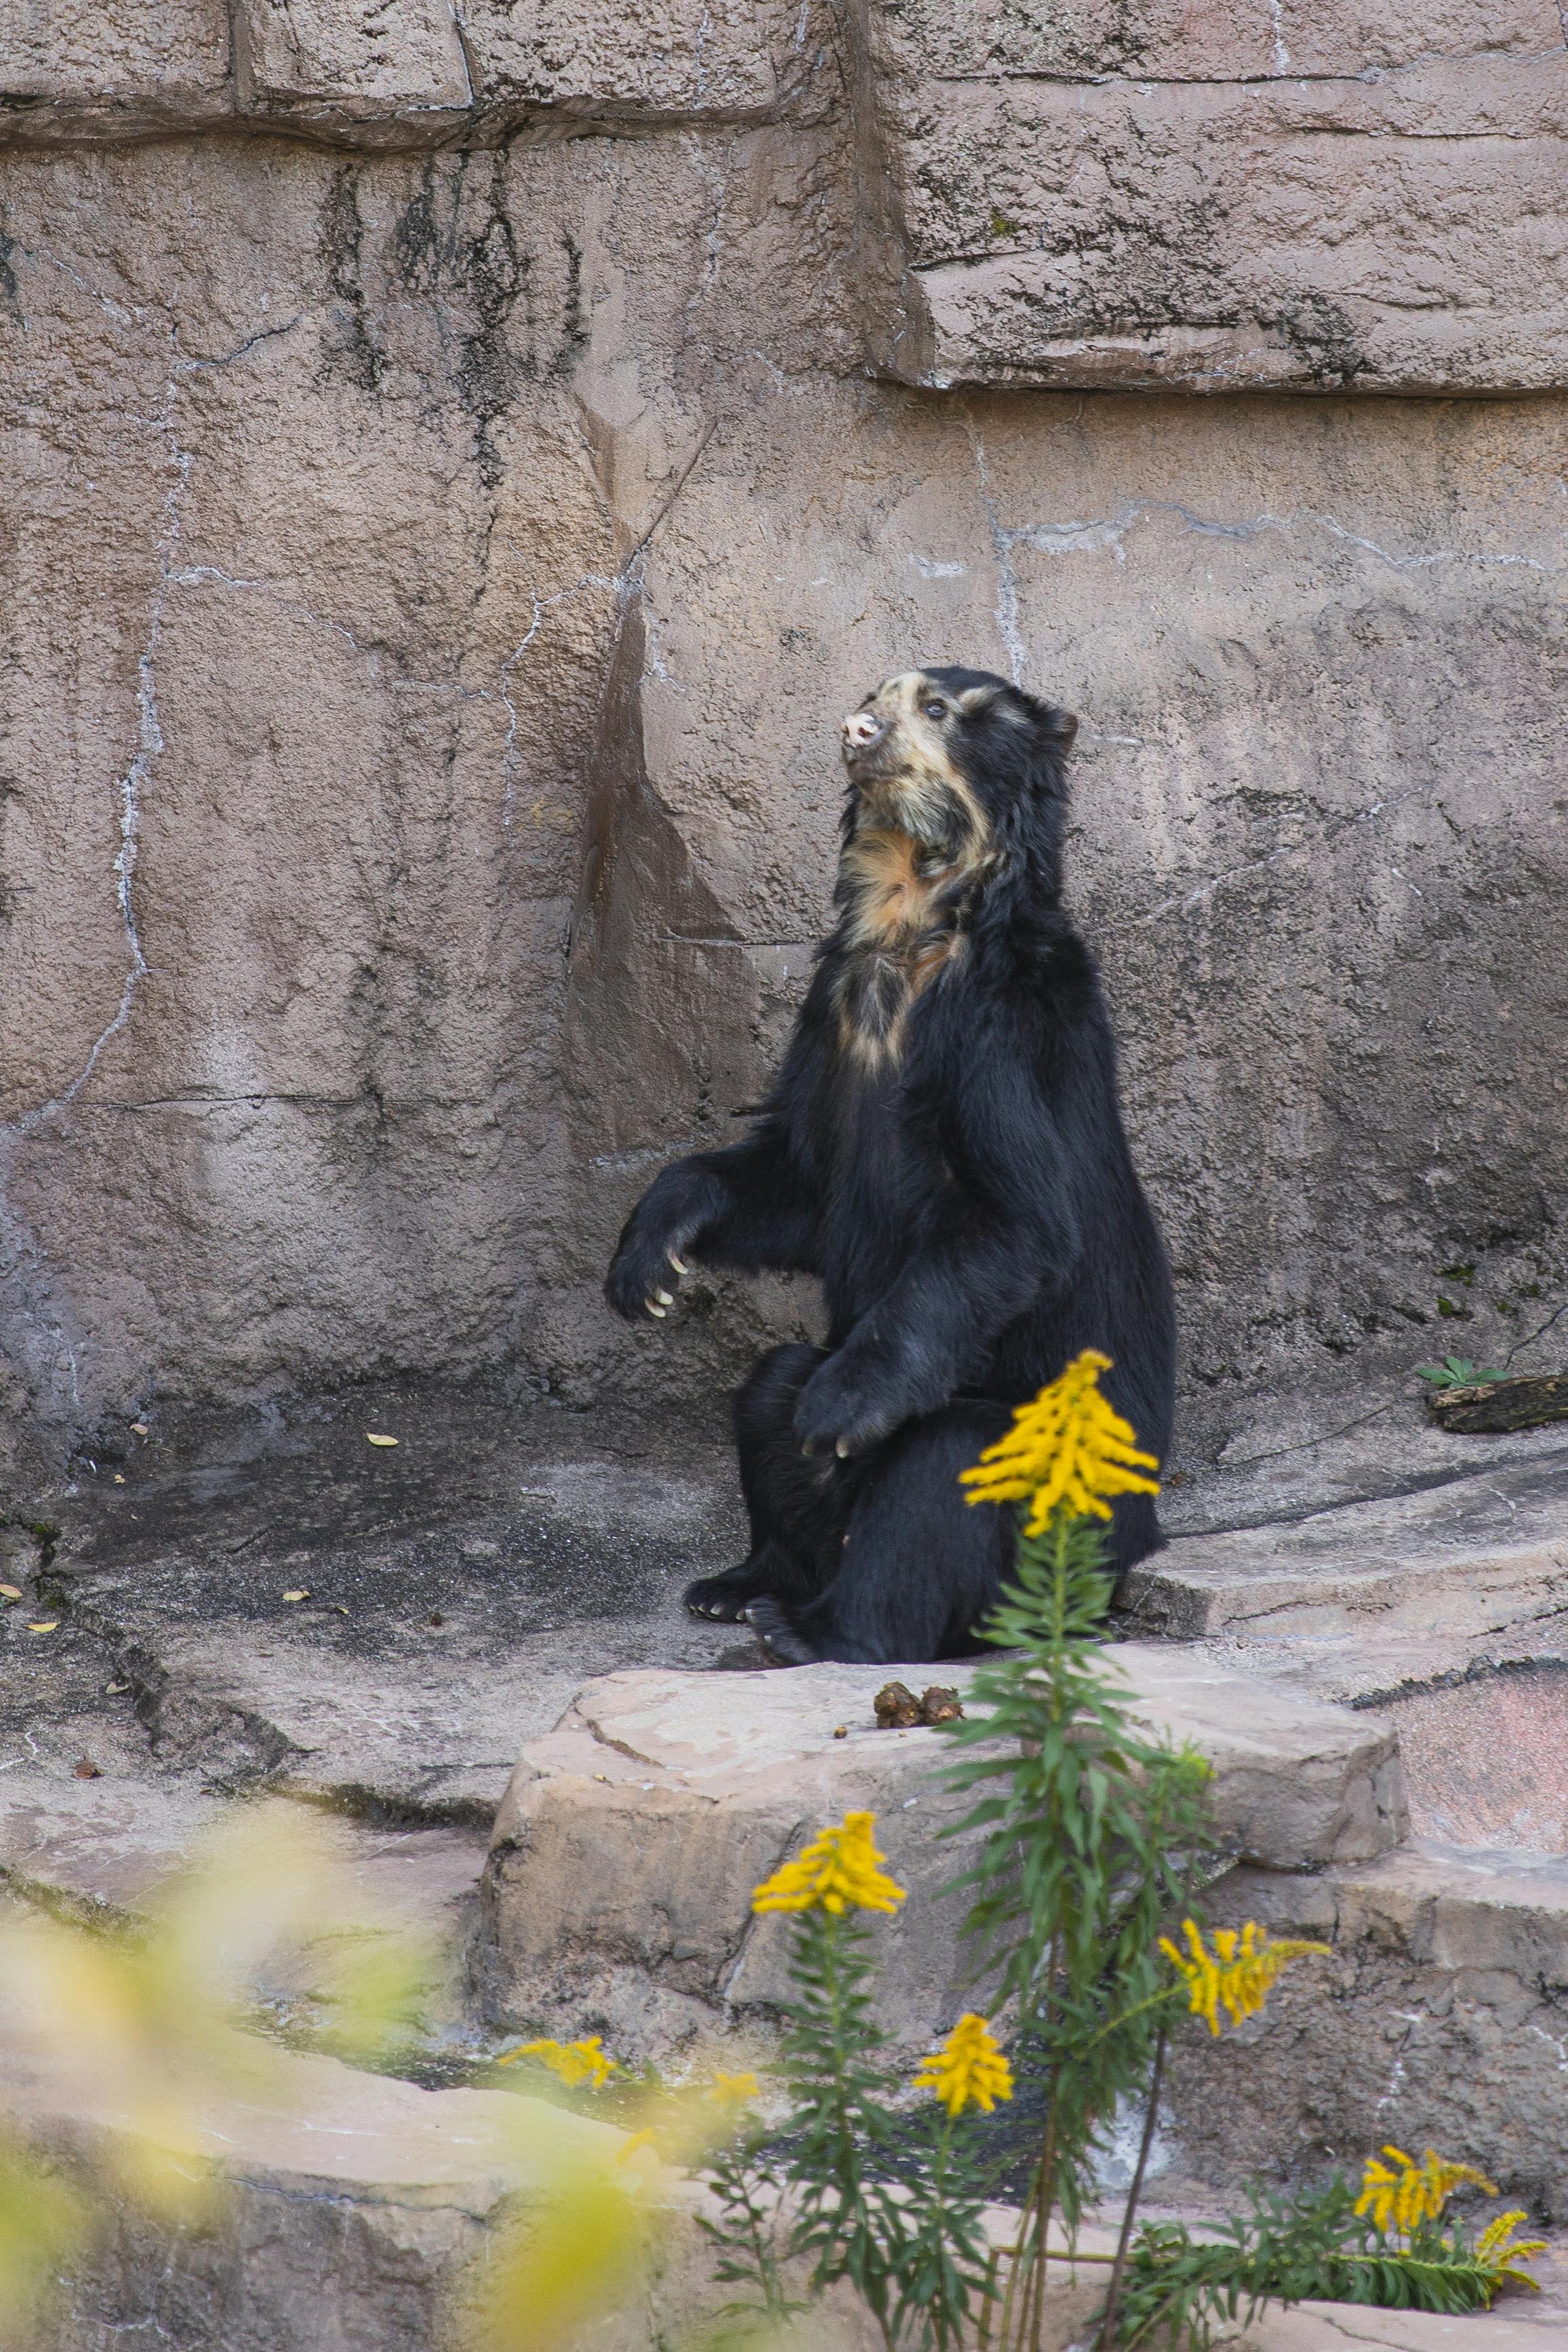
1356	1601
115	69
627	1847
1226	41
731	61
1217	235
1296	1781
319	63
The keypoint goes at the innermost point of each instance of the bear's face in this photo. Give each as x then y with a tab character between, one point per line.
944	754
899	749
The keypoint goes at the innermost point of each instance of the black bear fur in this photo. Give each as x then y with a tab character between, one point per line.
943	1148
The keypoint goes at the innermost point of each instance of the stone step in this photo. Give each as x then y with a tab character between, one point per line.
360	2208
623	1858
356	2205
1366	1597
102	1850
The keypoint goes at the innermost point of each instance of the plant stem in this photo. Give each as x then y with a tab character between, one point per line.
1113	2293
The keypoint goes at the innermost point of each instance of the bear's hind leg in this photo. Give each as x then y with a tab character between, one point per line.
798	1509
919	1567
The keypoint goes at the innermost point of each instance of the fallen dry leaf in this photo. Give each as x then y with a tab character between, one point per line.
12	1591
139	1429
50	1625
374	1437
118	1479
115	1690
296	1596
88	1770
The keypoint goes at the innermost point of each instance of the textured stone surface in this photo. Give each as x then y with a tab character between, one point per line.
416	564
112	67
1385	231
624	1855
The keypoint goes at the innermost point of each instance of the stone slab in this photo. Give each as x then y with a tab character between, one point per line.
1222	41
1486	1760
116	69
624	1855
1224	234
356	2203
654	60
460	1588
367	58
1466	1560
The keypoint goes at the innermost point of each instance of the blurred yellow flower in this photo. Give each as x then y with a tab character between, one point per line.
837	1872
969	2069
1414	2193
734	2090
572	2062
1069	1450
1238	1974
1500	2252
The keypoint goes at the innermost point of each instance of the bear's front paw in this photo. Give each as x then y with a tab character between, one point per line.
846	1407
644	1277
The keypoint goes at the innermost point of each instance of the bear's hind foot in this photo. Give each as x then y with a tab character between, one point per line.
721	1600
779	1638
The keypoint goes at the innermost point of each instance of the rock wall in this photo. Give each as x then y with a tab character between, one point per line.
461	462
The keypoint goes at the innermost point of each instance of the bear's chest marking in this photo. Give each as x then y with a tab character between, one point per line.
900	929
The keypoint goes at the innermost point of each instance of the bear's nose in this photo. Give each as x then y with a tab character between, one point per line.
861	729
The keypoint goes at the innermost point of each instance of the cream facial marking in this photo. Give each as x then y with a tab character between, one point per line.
917	845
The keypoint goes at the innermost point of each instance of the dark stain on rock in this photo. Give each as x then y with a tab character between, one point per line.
574	331
494	275
1322	337
8	287
513	316
348	344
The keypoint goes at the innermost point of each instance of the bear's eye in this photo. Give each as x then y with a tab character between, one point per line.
936	710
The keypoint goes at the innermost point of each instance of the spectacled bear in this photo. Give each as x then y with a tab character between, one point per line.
944	1148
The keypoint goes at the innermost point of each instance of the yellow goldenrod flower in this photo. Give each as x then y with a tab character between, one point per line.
734	2090
1414	2192
1237	1975
836	1871
572	2062
1069	1450
968	2068
1500	2252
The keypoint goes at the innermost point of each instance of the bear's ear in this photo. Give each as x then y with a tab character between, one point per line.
1054	727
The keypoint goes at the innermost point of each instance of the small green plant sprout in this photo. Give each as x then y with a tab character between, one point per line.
1458	1372
1238	1974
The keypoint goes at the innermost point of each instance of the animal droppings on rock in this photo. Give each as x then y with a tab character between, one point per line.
840	1731
374	1437
897	1708
139	1429
86	1769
